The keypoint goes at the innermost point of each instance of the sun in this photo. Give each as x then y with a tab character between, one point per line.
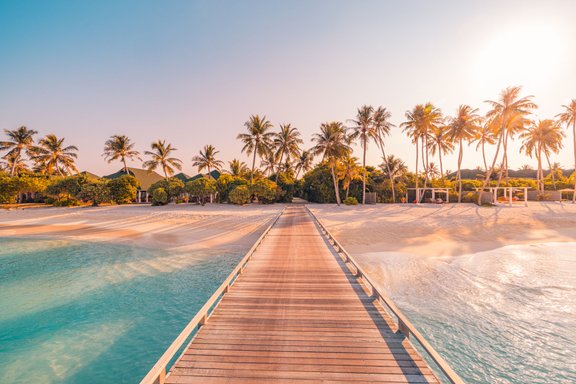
526	54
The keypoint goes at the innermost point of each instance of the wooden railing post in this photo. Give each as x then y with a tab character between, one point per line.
403	328
161	379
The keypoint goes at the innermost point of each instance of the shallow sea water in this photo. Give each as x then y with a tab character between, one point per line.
503	316
80	312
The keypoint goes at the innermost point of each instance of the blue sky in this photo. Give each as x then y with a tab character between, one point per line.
192	72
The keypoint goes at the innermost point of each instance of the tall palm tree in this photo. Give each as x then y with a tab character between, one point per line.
120	147
363	130
160	157
485	135
287	143
237	168
441	142
541	139
568	117
258	139
19	140
462	128
510	116
333	144
395	166
303	162
51	156
207	159
348	170
382	127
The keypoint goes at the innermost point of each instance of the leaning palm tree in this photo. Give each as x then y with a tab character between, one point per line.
160	157
363	130
287	143
13	163
541	139
348	171
19	140
207	159
568	117
258	139
333	144
237	168
510	116
382	127
485	135
462	128
119	147
303	162
51	156
441	143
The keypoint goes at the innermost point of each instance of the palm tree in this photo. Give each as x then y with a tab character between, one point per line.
237	168
542	138
160	157
364	131
441	143
52	156
395	166
13	163
287	143
462	128
120	147
568	117
257	140
19	140
303	162
333	144
433	171
485	135
269	161
207	159
382	127
509	115
348	170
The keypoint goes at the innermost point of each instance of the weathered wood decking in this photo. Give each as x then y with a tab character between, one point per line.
297	314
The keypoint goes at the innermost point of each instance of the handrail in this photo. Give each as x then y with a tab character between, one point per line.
157	373
404	325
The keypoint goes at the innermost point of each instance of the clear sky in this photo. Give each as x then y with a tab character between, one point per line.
192	72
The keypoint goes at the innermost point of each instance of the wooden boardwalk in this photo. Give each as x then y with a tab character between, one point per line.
298	315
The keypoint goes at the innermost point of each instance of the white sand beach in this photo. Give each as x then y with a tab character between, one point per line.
446	230
174	228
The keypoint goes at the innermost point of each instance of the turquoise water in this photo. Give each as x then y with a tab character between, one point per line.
79	312
503	316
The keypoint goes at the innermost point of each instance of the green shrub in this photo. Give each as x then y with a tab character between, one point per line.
226	183
350	201
240	195
173	188
123	189
201	188
159	196
266	191
96	191
9	187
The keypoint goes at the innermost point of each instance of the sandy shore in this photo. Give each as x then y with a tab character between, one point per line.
446	230
173	228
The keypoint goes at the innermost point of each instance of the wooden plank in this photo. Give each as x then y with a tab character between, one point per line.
297	314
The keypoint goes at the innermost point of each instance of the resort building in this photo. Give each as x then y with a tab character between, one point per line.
145	179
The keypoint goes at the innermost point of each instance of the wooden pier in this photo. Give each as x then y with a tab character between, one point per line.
297	313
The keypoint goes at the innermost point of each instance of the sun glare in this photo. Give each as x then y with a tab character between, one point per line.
524	55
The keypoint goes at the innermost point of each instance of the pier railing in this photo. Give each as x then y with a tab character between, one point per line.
157	375
404	325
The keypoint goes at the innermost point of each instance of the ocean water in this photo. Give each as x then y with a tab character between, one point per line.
502	316
80	312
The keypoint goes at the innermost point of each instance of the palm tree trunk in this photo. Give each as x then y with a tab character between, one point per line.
125	166
440	158
279	164
551	172
416	198
484	158
460	155
253	165
489	173
364	173
15	161
388	169
336	192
